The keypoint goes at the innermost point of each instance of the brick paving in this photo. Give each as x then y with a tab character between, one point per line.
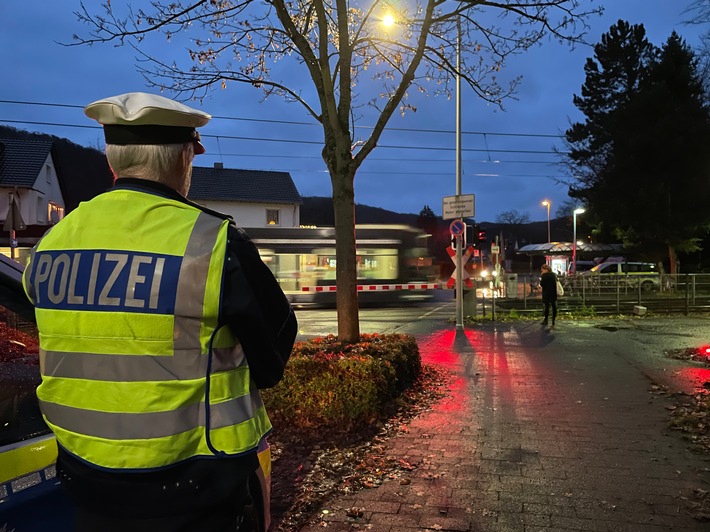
539	432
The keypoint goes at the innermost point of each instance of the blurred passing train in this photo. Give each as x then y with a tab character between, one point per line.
393	264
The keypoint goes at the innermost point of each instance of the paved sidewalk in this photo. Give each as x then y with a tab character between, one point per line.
540	432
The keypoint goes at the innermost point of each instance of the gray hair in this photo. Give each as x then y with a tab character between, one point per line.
153	162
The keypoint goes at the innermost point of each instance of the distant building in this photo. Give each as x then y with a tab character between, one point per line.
28	179
254	198
46	177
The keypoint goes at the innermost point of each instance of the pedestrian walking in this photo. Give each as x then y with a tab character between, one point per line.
158	325
548	286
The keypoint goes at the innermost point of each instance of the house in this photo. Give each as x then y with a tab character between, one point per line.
254	198
46	177
29	180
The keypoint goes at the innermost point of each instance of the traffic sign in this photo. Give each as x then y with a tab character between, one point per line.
457	227
14	221
495	249
465	277
460	206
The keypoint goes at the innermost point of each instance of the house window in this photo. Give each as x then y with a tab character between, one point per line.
40	210
272	217
54	212
48	170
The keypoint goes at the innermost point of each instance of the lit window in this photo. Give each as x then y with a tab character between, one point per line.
272	217
54	212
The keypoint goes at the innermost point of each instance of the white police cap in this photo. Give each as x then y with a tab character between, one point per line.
142	118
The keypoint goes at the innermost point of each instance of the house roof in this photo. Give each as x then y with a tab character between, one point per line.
21	161
561	248
257	186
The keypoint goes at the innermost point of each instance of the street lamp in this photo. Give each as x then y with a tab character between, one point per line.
389	20
574	238
459	251
547	204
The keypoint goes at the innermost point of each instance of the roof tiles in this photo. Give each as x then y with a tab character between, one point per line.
257	186
21	161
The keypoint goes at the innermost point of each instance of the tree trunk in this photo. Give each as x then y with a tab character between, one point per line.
673	258
346	260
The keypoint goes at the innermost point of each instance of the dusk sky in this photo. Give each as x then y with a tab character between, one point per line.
508	159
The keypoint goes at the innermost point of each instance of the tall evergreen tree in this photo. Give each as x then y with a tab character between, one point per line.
613	76
427	220
641	155
664	136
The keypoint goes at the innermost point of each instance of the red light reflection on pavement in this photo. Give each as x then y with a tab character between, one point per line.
452	351
491	375
695	376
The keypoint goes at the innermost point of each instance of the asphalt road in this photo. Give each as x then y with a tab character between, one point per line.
321	322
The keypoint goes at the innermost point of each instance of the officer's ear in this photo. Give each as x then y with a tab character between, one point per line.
184	162
188	154
183	168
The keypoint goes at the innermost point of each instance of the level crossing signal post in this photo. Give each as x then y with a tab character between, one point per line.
460	254
459	206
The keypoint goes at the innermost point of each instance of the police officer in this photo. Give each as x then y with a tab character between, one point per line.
158	324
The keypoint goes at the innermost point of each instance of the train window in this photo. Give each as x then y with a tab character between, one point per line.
377	264
303	259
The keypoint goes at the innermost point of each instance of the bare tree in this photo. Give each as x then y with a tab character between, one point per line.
338	44
512	217
512	220
699	12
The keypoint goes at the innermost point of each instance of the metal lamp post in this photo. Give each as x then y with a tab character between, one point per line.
459	251
574	238
389	20
547	204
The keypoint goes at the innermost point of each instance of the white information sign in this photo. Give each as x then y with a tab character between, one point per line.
462	206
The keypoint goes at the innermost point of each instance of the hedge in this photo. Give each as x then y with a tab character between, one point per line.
328	383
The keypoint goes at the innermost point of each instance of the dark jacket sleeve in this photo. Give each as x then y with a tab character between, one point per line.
257	311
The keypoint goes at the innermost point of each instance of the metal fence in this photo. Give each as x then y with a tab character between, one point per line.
615	293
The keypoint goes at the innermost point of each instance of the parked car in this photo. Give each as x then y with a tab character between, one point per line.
28	451
582	266
628	274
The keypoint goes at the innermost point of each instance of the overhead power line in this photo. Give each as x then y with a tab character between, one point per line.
297	123
295	141
422	149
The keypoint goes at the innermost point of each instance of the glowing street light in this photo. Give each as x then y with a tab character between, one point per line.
574	238
547	203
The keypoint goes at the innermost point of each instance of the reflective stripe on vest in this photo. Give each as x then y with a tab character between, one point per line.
114	426
125	336
138	368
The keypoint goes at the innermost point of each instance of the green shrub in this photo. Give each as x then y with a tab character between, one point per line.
585	312
330	383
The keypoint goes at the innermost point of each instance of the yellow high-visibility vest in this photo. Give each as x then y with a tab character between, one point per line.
136	373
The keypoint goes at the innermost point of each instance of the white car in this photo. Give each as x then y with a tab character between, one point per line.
627	274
